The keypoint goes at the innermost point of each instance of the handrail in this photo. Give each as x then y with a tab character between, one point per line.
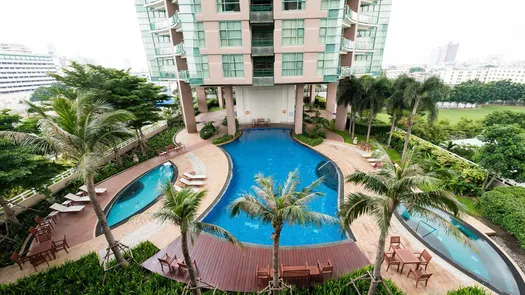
263	72
262	42
261	7
349	13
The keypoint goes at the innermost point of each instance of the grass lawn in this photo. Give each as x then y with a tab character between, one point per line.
455	114
470	204
214	109
393	154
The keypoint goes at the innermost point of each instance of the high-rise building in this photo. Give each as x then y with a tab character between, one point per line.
450	51
264	51
435	57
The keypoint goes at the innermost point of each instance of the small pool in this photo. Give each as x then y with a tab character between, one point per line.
139	194
486	265
274	153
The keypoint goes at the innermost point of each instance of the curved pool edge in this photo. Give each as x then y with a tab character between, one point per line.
107	208
504	256
349	235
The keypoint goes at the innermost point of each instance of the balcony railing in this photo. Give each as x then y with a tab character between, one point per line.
175	19
263	72
349	14
164	51
184	75
167	75
180	49
349	71
160	25
367	19
347	45
261	7
364	45
262	42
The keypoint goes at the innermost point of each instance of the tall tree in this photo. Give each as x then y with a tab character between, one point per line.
421	96
46	93
279	206
375	95
8	120
503	153
349	93
396	105
120	89
506	117
389	188
81	131
182	209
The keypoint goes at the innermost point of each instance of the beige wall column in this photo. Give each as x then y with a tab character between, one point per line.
340	117
230	115
331	97
312	93
219	97
186	102
201	99
299	108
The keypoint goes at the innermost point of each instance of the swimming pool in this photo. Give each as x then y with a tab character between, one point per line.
139	194
274	153
487	265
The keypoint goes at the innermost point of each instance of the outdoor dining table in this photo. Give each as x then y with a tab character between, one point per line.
43	247
406	257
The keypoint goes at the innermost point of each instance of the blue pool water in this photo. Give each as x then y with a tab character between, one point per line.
140	193
485	264
274	153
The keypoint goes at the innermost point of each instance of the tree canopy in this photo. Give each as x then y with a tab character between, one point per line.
45	93
475	91
506	117
8	120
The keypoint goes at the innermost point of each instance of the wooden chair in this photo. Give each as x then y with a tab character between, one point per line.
168	261
424	258
395	243
19	259
170	148
262	275
325	268
183	267
40	235
420	275
295	272
41	222
390	259
161	153
60	245
37	259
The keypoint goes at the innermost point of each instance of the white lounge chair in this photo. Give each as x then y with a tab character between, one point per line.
76	198
64	209
178	188
98	191
191	182
194	176
372	160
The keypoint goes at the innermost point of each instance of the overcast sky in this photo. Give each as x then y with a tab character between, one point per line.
107	30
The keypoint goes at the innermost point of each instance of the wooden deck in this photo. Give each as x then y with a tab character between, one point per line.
230	269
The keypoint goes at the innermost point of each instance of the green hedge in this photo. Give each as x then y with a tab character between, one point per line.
362	128
505	206
222	139
304	138
468	291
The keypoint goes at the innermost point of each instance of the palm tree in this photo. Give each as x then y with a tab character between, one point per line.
81	131
181	209
349	93
421	96
449	145
375	94
280	206
390	188
396	105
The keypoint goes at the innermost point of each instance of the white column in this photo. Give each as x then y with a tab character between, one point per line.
201	99
312	93
219	97
186	102
299	108
230	115
340	117
331	97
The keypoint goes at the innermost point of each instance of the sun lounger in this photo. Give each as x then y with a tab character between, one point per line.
98	191
64	209
178	188
191	182
76	198
194	176
372	160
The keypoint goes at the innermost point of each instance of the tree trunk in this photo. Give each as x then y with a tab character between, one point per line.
139	141
275	261
376	274
409	129
8	211
118	159
490	182
187	260
369	125
102	220
392	127
352	125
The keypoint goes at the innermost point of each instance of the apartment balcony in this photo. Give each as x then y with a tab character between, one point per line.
262	47
263	77
184	76
349	17
367	21
261	12
364	46
168	75
155	4
164	52
162	27
356	71
347	45
368	2
175	22
180	50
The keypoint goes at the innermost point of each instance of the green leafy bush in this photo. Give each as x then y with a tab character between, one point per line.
225	123
305	138
362	128
505	206
320	102
468	291
208	130
222	139
212	102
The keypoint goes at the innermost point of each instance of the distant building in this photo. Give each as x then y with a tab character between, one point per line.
450	51
455	76
435	57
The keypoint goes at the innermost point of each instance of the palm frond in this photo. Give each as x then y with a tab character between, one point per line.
358	204
370	181
217	231
250	205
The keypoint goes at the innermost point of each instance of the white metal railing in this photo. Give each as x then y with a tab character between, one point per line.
364	45
32	192
347	45
350	14
367	19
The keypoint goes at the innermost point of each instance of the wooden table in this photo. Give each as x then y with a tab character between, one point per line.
44	247
406	257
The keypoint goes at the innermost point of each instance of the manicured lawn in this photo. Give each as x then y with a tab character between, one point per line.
214	109
455	114
470	204
393	154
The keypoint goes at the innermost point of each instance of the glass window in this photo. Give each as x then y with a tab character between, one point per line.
292	64
230	33
202	67
327	63
233	66
196	6
329	31
200	40
330	4
228	6
294	4
293	32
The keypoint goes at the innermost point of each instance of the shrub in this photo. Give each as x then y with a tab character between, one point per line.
505	206
468	291
307	139
225	123
208	130
212	102
320	101
222	139
362	128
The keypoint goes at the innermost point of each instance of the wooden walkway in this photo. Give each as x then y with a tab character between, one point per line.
231	269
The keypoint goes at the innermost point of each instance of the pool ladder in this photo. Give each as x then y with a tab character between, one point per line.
433	228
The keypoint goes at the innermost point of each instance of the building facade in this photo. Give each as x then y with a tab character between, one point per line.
264	51
455	76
